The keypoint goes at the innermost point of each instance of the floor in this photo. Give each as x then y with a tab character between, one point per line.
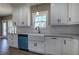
6	50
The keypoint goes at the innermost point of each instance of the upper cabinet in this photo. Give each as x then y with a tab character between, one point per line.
21	15
59	14
73	13
64	13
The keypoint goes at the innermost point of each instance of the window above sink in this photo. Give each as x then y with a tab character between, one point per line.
40	20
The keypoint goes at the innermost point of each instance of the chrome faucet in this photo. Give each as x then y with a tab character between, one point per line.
38	29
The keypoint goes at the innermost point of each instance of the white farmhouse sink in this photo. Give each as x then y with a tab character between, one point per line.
37	34
36	37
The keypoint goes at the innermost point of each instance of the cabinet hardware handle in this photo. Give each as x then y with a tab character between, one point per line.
22	22
35	44
53	38
64	41
59	20
69	18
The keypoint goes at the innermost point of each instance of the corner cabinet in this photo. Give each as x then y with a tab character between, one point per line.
59	13
21	15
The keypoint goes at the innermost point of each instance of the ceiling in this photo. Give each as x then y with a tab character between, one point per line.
6	9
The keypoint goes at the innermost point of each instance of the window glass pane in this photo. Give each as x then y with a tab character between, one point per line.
15	30
44	18
40	18
11	27
36	24
40	21
42	24
36	18
10	24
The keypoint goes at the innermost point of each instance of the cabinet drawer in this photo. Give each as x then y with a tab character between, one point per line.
36	38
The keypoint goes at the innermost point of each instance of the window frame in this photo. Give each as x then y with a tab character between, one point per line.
42	13
12	27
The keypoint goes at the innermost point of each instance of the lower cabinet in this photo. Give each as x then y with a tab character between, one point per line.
13	40
53	45
70	46
36	46
61	46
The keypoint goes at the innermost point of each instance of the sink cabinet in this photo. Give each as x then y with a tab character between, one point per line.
36	43
36	46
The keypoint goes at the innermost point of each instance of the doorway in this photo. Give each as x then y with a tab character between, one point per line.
4	29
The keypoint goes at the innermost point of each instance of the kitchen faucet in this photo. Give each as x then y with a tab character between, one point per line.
38	29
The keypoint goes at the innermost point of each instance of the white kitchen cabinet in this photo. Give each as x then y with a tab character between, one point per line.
36	46
36	43
10	40
73	13
58	13
21	15
61	46
53	45
13	40
70	46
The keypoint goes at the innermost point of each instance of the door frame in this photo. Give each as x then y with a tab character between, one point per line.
5	21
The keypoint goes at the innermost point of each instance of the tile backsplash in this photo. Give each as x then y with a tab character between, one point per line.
69	29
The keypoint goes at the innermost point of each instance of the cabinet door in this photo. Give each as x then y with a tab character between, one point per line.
70	46
21	15
15	41
73	13
36	46
10	40
22	18
59	13
53	45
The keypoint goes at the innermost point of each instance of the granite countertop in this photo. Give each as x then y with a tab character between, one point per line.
57	35
63	35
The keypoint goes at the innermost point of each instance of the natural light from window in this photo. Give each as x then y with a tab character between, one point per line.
40	21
